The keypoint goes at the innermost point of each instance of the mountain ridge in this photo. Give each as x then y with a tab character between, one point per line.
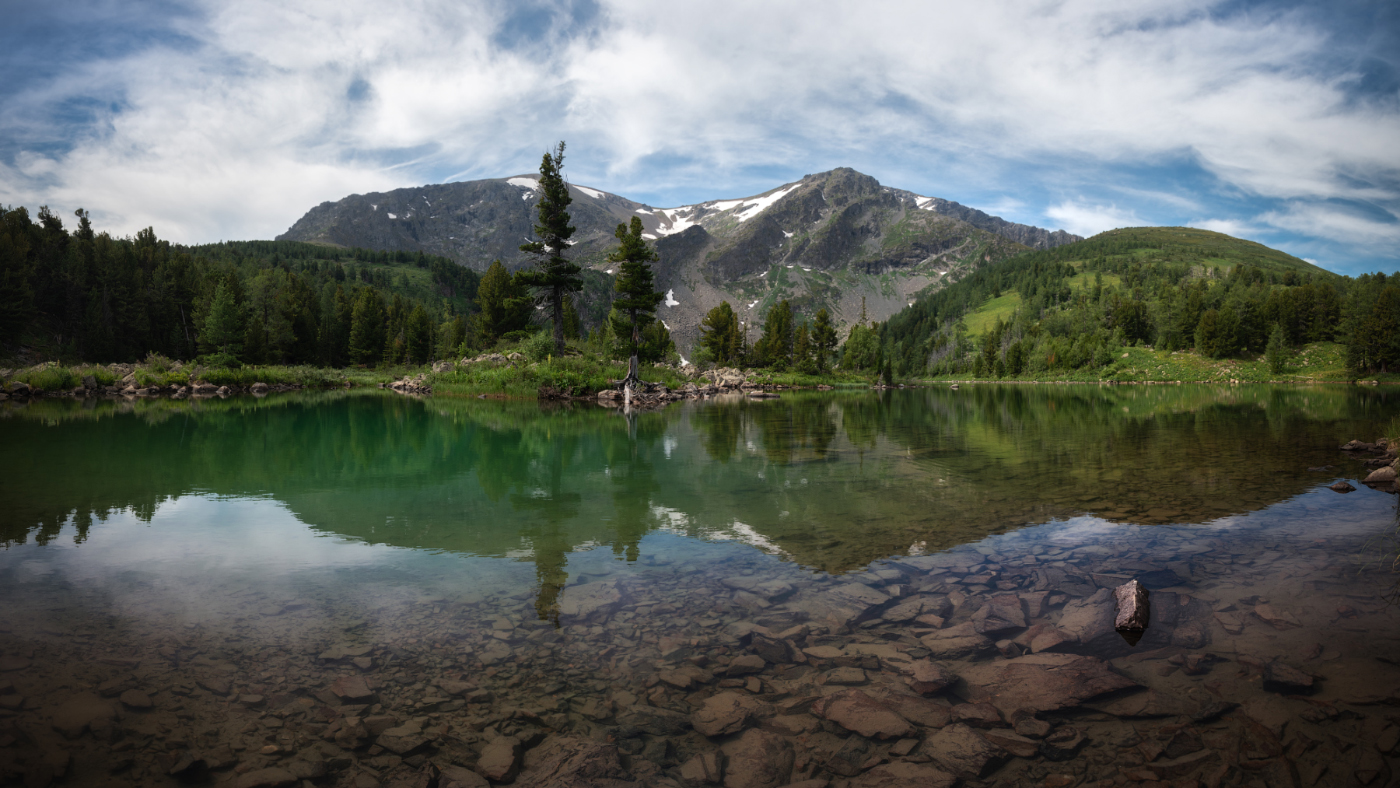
836	239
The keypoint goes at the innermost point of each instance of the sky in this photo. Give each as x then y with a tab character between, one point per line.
1278	122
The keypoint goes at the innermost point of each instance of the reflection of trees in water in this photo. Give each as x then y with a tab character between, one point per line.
791	429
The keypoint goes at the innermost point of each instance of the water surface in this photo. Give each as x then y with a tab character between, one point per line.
506	569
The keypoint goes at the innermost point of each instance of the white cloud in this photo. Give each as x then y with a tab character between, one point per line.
1087	219
240	133
1335	224
1239	229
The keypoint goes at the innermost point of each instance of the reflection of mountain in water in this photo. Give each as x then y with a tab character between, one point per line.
831	481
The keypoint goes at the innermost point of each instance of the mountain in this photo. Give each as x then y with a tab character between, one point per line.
833	239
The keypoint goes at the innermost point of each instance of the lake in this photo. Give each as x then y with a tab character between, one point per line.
907	587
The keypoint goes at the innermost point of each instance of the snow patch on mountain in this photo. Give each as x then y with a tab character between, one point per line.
757	206
594	193
524	183
671	298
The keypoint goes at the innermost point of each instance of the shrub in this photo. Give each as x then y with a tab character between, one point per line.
538	347
53	379
225	360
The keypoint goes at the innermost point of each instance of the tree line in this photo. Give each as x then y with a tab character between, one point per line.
1077	304
87	296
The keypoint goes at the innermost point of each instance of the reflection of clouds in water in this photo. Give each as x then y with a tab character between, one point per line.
209	560
682	524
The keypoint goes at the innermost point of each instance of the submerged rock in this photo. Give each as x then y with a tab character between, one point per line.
567	762
904	775
1042	682
725	713
962	751
758	759
858	712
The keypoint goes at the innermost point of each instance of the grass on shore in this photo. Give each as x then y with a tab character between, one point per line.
1318	362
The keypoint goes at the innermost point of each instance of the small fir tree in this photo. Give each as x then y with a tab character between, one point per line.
635	307
554	276
1276	353
367	328
823	341
504	302
223	327
720	335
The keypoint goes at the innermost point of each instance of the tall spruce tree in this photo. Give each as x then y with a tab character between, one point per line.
635	307
367	328
223	327
554	276
823	340
720	335
504	303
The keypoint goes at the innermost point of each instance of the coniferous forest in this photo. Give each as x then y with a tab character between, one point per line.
84	295
81	295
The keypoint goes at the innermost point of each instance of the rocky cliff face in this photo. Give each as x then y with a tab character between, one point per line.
831	240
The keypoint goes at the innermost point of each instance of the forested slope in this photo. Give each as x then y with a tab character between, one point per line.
1075	306
88	296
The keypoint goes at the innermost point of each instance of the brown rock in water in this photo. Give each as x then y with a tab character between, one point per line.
1186	764
858	712
1380	476
746	664
267	778
352	689
904	775
500	759
920	711
136	699
725	713
1001	613
962	751
567	762
591	601
706	768
1062	744
1341	487
1017	745
1087	619
962	640
772	649
927	677
1286	677
454	776
758	759
1134	611
1042	682
982	715
83	712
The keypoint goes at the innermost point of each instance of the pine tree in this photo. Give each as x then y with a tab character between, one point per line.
419	331
635	308
823	341
504	303
554	276
572	325
802	357
1276	353
223	327
719	335
367	328
775	346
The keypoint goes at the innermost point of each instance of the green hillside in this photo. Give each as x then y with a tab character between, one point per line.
1072	311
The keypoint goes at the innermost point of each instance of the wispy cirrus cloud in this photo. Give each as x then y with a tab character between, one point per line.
218	120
